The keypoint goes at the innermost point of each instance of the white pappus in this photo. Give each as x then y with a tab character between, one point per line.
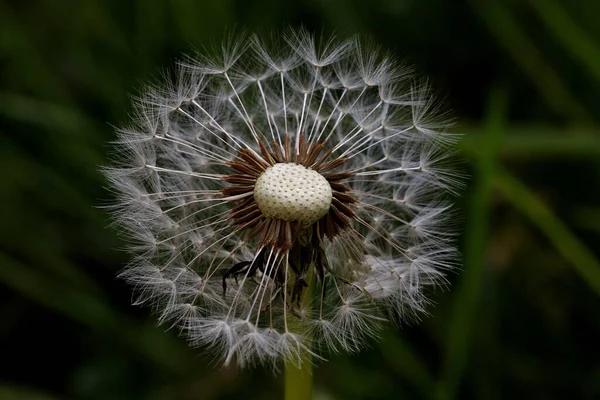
285	196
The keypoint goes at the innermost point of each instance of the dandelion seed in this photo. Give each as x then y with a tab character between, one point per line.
253	178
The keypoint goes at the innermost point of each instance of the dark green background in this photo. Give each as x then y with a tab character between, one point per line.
522	319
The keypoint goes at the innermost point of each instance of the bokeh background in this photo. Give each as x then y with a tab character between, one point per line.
522	319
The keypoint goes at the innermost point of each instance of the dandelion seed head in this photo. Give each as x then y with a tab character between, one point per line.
292	192
286	196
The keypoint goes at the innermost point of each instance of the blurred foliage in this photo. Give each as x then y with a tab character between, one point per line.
521	319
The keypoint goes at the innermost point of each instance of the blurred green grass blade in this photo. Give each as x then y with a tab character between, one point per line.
11	392
342	15
587	217
151	32
574	39
526	55
192	23
584	261
398	354
86	309
97	19
469	289
45	114
67	129
537	141
26	61
66	300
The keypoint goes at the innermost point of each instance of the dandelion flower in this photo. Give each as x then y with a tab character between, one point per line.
285	197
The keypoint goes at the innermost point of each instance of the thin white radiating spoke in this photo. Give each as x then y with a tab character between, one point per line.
192	230
304	115
385	212
204	152
300	125
333	110
223	239
262	93
235	141
246	119
350	135
179	193
383	235
209	272
263	284
285	286
215	177
241	285
381	140
222	200
202	210
218	215
284	104
370	164
315	122
274	267
360	142
343	114
386	171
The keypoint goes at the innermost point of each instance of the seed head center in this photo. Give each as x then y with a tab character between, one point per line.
292	192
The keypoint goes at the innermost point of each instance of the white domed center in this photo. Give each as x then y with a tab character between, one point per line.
292	192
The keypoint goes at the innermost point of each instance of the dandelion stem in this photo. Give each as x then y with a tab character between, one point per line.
298	372
298	379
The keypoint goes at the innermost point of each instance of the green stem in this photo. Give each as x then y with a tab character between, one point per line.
298	380
298	376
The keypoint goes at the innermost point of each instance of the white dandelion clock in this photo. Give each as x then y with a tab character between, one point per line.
285	201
